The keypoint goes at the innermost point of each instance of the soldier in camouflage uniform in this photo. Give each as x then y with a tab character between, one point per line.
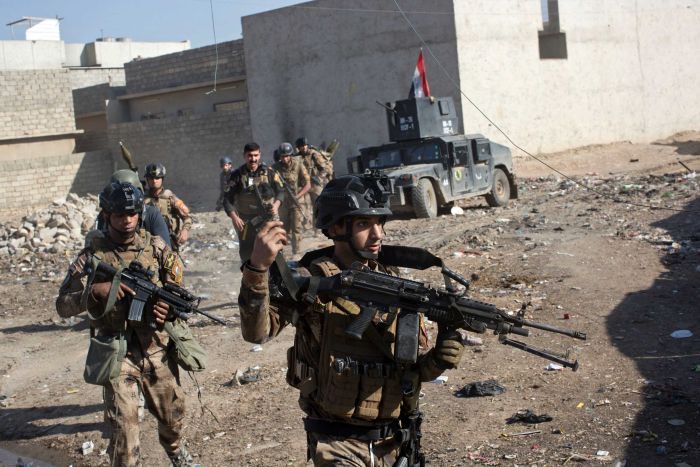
352	391
320	170
226	165
240	202
297	184
148	364
173	209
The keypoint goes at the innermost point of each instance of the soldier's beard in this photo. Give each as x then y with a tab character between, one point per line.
120	236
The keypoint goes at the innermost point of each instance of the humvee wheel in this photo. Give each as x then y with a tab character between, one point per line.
424	199
500	190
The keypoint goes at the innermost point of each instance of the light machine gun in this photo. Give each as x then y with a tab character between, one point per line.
374	291
182	303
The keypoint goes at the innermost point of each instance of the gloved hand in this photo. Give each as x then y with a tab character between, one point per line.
448	348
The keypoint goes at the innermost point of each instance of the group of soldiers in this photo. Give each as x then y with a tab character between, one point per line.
291	185
360	405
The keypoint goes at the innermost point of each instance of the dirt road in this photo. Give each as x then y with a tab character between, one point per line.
626	274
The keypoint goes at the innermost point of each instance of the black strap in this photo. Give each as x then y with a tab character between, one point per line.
348	430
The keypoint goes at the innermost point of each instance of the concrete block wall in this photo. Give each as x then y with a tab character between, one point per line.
187	67
36	182
35	102
189	147
339	68
84	77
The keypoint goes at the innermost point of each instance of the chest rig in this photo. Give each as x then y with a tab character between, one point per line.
113	319
343	376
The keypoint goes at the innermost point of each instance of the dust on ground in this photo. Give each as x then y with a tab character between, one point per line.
625	274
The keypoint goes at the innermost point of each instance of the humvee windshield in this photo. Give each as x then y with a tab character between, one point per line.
421	154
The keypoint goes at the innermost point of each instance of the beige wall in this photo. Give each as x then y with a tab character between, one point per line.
630	74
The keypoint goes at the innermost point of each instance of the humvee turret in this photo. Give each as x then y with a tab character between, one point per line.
430	165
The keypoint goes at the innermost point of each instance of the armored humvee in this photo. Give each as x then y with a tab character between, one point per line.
430	165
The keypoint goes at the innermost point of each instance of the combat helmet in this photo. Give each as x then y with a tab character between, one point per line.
301	141
122	198
156	170
350	196
285	149
126	176
225	160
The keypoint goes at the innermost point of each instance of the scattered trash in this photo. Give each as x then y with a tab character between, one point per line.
566	316
509	456
554	367
473	341
681	334
661	450
442	379
456	211
602	453
250	375
676	422
528	416
87	447
257	348
696	368
523	433
72	391
481	388
219	434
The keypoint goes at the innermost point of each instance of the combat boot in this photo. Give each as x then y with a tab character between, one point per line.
182	458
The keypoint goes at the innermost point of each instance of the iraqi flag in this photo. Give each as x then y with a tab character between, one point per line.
419	86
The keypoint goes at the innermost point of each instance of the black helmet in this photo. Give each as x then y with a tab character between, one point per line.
121	198
301	141
155	170
352	195
125	176
285	149
223	161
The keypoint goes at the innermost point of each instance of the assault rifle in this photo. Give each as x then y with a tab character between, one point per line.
182	303
293	197
374	291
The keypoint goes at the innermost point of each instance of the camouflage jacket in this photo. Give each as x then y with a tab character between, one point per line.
294	175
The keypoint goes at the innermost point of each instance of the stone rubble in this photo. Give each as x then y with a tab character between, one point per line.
58	229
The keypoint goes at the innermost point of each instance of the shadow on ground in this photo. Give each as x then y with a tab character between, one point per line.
21	423
684	148
666	427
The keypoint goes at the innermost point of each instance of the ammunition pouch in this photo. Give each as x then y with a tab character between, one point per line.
184	347
104	359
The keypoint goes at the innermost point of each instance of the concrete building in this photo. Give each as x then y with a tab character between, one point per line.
595	71
185	110
53	108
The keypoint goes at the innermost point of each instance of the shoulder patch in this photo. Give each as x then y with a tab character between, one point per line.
173	267
167	193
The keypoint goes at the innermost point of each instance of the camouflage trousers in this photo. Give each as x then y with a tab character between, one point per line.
332	451
310	200
291	217
164	398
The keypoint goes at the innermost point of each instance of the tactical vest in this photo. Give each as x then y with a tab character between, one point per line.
164	203
352	379
103	249
245	201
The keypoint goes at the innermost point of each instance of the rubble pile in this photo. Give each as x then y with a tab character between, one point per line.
59	228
